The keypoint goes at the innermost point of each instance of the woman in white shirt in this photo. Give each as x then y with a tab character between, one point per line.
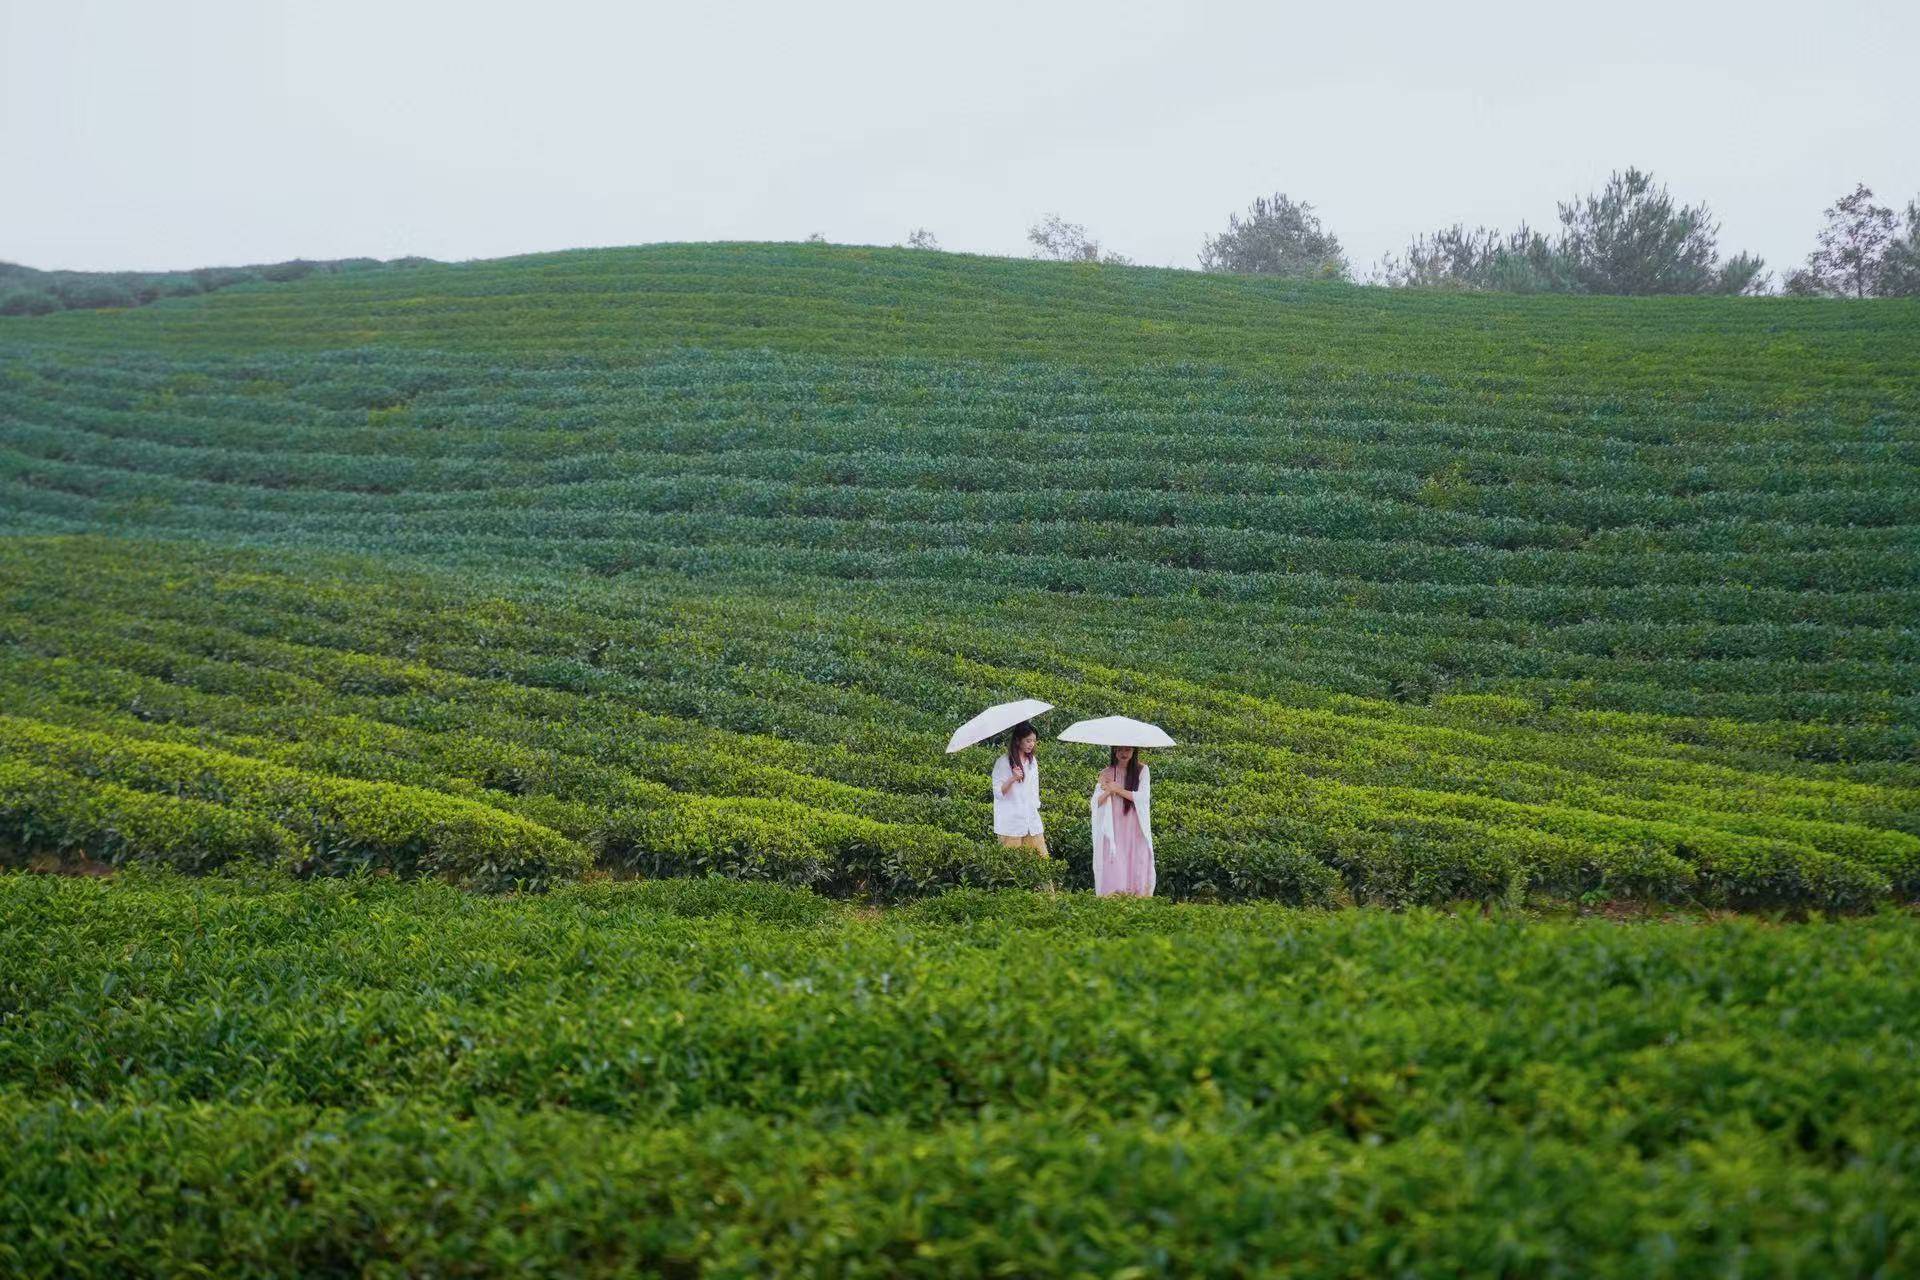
1016	792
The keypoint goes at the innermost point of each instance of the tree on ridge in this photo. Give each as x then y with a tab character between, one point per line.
1279	237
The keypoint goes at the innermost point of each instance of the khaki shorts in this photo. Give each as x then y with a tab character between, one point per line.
1035	841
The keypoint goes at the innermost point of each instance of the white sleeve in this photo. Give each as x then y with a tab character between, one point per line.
1143	803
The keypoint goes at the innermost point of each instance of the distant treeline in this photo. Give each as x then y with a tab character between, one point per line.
1631	238
25	291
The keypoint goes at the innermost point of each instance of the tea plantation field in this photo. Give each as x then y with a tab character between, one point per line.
685	558
497	711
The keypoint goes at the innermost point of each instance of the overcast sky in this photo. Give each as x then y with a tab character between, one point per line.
140	134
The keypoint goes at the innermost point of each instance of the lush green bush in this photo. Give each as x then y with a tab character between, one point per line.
1231	871
788	843
341	825
420	1192
707	837
699	899
620	1077
49	813
27	302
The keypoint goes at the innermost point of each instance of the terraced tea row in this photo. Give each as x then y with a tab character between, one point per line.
672	731
1406	519
685	556
631	303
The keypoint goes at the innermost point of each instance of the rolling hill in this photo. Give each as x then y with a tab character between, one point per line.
683	558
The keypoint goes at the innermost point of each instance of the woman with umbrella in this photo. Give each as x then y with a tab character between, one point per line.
1123	835
1016	774
1122	805
1016	791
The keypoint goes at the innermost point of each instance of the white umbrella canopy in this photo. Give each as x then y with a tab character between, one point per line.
995	720
1116	731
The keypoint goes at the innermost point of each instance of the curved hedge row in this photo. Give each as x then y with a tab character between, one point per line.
48	813
341	825
672	735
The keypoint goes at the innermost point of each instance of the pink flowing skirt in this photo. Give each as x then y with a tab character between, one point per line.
1125	863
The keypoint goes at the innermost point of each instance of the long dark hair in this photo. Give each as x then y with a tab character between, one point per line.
1015	736
1133	771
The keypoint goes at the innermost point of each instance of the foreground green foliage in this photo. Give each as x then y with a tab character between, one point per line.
320	1078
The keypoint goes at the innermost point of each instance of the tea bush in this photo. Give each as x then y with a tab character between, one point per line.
347	1076
60	816
338	825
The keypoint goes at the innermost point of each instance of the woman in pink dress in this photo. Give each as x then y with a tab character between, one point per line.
1123	825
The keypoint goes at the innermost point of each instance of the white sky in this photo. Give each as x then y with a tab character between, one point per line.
149	134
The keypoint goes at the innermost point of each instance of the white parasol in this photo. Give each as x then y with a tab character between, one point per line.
1116	731
995	720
